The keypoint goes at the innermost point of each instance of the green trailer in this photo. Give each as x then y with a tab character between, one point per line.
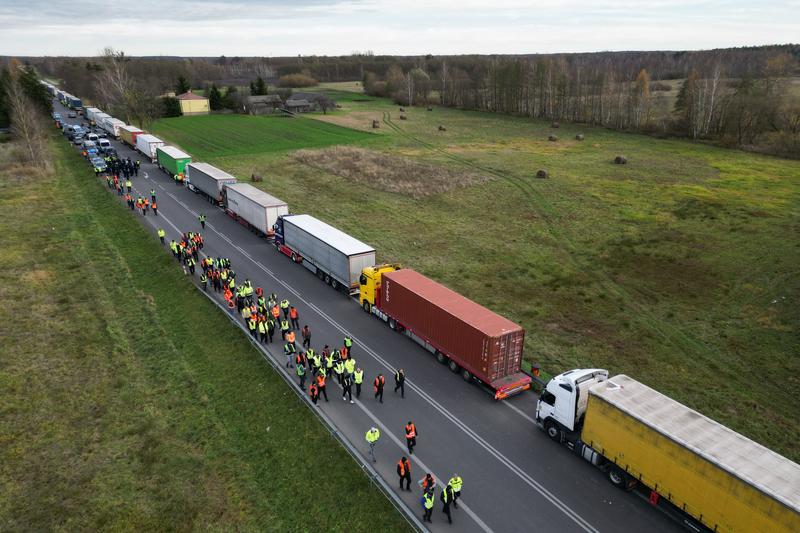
171	160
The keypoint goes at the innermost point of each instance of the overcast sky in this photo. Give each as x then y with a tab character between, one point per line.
330	27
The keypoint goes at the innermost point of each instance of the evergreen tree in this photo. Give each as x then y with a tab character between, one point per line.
215	98
172	107
182	86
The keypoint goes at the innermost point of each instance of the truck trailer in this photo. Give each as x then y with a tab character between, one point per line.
128	134
172	160
148	144
209	181
473	341
90	113
334	256
697	470
111	126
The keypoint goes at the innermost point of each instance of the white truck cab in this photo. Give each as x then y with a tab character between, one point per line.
562	404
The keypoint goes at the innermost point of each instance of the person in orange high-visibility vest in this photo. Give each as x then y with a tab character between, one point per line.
294	316
290	337
411	436
276	312
378	384
313	391
404	471
321	385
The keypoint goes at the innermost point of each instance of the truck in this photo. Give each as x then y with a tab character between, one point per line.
111	126
473	341
172	160
209	181
334	256
128	134
148	144
704	474
73	102
90	113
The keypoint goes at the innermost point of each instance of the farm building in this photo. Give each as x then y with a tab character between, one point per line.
300	106
193	104
268	103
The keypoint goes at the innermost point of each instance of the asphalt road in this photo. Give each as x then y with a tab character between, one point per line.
515	478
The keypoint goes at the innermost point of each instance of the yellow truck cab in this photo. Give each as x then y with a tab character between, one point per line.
370	284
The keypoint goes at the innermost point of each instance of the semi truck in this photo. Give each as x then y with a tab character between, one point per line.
473	341
148	144
172	160
334	256
699	471
98	118
209	181
90	113
73	102
111	126
128	134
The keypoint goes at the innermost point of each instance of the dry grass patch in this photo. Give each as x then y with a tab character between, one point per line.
389	172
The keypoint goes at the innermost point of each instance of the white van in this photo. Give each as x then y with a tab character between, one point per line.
92	137
103	143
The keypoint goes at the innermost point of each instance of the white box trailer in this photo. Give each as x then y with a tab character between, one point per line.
148	144
208	180
100	117
258	209
111	126
336	257
90	113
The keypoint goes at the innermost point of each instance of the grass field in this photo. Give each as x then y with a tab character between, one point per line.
129	402
679	268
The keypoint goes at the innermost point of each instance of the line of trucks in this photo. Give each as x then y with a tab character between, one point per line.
706	475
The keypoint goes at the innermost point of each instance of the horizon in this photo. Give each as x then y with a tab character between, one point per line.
278	28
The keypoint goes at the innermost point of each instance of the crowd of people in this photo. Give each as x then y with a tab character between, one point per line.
265	315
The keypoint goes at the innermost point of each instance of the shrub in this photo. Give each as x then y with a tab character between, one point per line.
296	80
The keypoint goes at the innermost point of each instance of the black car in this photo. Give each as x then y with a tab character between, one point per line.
110	152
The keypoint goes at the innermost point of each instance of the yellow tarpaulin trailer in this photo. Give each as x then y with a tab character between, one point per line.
721	478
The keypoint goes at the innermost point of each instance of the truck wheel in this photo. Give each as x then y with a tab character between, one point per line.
277	246
454	368
334	284
442	358
465	375
552	430
619	478
365	306
327	279
294	257
393	323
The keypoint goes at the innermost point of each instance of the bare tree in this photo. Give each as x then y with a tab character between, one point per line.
26	119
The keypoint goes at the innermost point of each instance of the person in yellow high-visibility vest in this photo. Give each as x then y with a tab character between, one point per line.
372	437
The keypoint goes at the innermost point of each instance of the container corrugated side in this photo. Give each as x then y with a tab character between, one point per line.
244	207
210	185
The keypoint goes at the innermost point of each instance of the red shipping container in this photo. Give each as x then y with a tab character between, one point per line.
486	344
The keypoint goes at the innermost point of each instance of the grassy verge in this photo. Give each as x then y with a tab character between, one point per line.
129	401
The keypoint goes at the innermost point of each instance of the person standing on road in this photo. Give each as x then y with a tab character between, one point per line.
306	334
128	185
447	497
301	373
136	168
372	437
294	317
313	391
155	208
262	330
285	308
400	382
378	384
339	369
350	367
348	343
358	379
411	436
427	503
456	483
347	388
202	218
204	281
321	384
284	327
427	483
288	350
270	329
404	472
161	235
153	194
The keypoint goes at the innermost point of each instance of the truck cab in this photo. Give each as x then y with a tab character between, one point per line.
370	284
563	401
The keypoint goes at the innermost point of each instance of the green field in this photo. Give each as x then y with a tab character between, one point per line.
129	402
679	268
244	135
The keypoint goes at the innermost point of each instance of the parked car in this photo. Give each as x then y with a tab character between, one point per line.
99	165
92	153
78	139
72	114
93	137
103	144
110	152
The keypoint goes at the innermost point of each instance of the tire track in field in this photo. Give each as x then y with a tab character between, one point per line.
678	338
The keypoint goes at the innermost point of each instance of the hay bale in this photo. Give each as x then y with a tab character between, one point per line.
621	160
256	177
552	138
402	117
430	108
555	125
376	124
579	137
542	174
442	128
402	110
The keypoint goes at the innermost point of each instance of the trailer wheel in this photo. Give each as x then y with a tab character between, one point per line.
465	375
294	257
327	279
365	306
619	478
277	246
393	323
442	358
334	284
552	430
454	368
